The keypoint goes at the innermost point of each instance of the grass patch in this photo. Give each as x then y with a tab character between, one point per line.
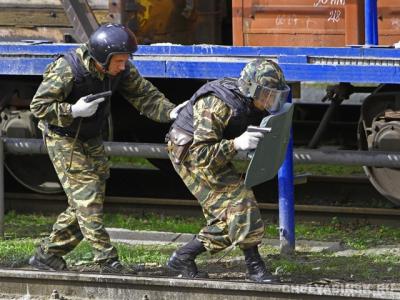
324	268
331	170
316	268
20	226
353	235
24	231
136	162
328	170
128	254
357	236
152	222
15	253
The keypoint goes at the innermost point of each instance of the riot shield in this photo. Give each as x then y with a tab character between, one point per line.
269	155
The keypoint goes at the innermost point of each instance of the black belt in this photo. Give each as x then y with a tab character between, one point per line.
61	130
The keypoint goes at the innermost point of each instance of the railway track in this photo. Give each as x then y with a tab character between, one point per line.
182	207
40	285
70	285
133	191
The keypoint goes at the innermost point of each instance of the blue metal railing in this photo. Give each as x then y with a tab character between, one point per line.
286	199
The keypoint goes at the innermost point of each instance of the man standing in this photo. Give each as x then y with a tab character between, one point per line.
72	128
203	140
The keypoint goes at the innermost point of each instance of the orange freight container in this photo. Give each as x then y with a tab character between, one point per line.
313	23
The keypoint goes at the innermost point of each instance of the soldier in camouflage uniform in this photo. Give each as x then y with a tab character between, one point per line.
72	131
203	140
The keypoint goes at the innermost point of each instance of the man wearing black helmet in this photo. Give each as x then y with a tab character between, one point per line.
72	128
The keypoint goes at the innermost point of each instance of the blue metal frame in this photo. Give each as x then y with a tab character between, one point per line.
367	65
286	199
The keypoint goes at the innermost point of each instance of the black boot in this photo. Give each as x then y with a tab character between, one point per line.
114	266
44	261
182	260
256	270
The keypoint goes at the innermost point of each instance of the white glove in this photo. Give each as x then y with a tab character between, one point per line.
84	109
174	113
247	141
397	45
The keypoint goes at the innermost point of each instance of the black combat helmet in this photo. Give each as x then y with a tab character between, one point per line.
110	39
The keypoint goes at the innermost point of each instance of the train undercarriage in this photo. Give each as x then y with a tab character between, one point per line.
373	125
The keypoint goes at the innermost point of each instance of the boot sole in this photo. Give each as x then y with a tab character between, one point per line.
178	272
34	262
38	265
173	269
266	281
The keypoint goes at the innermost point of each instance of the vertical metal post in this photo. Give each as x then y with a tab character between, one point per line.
371	22
286	200
1	188
116	10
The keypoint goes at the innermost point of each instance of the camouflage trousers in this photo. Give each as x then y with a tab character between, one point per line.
84	184
231	211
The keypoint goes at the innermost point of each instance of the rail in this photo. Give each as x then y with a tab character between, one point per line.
87	286
153	150
307	156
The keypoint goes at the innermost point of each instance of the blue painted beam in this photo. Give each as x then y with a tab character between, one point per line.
212	50
368	65
286	199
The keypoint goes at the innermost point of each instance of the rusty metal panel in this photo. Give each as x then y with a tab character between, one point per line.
41	19
117	11
314	23
388	21
237	22
176	21
299	22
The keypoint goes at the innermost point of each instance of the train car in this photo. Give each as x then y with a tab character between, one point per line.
374	121
175	21
369	124
38	22
310	23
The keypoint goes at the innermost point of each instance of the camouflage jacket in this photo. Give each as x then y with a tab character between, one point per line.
209	150
49	106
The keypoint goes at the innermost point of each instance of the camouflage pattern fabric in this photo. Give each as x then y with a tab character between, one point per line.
48	103
84	181
230	208
84	184
264	72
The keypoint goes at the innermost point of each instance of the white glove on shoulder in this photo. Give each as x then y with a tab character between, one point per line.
247	141
174	112
84	109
